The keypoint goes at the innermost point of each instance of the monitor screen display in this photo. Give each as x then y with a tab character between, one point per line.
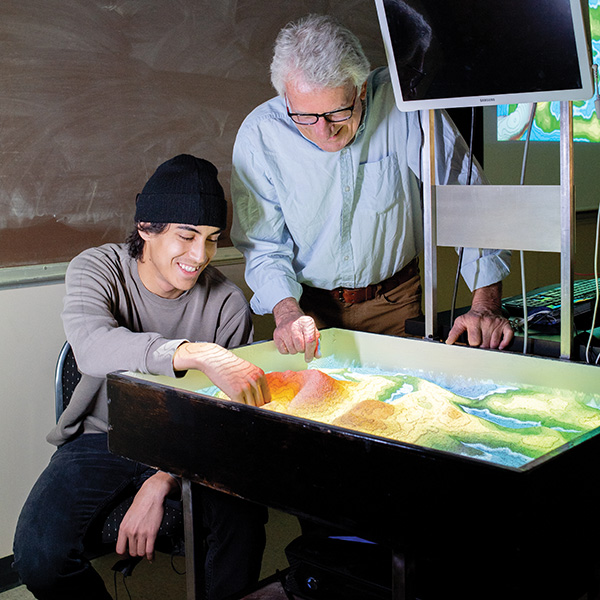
452	53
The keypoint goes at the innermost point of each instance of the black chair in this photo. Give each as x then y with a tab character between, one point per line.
66	378
103	535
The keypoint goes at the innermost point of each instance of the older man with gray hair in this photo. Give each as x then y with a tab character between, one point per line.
327	199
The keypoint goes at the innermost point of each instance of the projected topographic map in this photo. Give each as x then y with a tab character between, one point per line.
504	425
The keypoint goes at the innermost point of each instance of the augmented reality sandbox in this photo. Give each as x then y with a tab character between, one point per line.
515	519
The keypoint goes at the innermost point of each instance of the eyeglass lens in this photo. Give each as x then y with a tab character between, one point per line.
335	116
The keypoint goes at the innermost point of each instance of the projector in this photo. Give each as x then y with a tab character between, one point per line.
338	568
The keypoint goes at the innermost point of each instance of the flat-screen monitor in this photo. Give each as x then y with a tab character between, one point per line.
453	53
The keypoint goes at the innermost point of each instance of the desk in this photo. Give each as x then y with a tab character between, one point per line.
476	529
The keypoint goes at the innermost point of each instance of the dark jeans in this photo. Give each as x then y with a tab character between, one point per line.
81	483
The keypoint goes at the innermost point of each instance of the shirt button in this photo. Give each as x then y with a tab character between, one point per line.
346	257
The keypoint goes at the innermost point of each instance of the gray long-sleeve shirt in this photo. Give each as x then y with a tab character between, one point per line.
114	323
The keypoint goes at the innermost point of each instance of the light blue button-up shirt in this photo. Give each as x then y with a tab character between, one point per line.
340	219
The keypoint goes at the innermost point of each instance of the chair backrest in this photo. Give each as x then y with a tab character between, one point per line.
66	378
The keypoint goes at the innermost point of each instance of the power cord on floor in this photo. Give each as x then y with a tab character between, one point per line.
173	555
125	567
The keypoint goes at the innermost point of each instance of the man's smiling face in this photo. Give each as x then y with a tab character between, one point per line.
328	136
173	259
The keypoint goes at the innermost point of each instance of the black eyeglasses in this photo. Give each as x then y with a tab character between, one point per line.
333	116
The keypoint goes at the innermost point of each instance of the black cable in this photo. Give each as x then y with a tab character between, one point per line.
116	587
461	250
174	567
521	253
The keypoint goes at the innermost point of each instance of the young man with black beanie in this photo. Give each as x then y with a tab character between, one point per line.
152	305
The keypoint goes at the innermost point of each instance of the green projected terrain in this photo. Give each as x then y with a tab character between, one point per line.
505	425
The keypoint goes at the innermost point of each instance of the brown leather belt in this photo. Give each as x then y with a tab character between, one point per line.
357	295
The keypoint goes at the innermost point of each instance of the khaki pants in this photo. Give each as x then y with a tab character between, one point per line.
386	313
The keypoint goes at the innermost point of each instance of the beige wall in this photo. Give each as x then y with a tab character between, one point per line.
31	334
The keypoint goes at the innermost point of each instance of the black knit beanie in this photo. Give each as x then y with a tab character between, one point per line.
184	189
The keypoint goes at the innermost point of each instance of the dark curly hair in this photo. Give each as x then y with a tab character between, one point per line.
135	243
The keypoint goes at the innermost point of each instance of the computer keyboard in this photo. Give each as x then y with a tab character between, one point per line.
543	304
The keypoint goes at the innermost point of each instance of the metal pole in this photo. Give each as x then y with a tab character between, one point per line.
188	531
567	211
429	227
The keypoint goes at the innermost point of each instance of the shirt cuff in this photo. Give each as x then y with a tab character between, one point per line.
485	270
267	297
160	357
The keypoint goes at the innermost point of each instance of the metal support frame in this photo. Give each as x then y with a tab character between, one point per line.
567	212
481	206
429	226
403	576
188	531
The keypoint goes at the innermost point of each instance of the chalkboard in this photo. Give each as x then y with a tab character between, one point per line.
95	94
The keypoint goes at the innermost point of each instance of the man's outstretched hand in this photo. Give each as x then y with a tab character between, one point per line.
240	380
140	525
484	323
295	332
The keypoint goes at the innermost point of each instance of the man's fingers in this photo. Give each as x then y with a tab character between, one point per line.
309	351
298	336
310	336
284	341
496	332
507	336
281	346
251	387
311	342
121	547
266	392
141	547
483	331
457	329
452	337
254	394
260	390
475	336
313	349
496	339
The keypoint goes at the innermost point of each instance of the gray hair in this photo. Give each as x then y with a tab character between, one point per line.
320	52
